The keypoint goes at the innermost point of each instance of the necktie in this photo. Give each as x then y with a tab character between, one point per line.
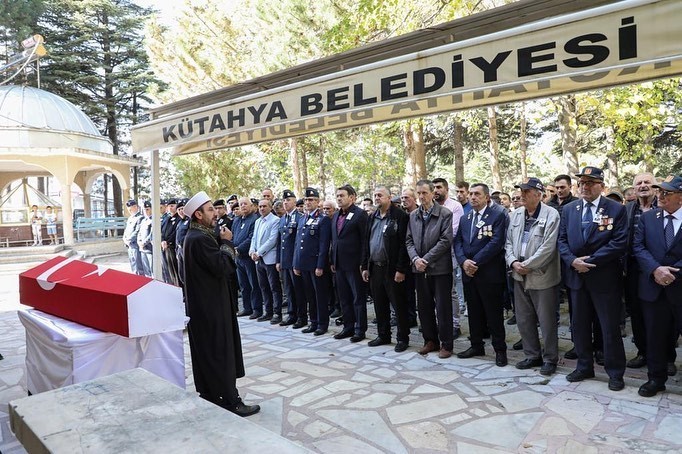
669	231
587	219
473	226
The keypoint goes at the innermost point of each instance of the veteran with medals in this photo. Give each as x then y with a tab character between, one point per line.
657	246
592	243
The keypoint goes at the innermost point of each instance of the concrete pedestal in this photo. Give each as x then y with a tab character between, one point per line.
134	412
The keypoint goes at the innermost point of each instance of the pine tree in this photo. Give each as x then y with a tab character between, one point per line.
97	61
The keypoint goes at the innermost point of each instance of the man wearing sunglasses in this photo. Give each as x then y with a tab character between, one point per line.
592	242
658	248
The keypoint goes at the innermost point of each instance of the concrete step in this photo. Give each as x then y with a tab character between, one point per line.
37	254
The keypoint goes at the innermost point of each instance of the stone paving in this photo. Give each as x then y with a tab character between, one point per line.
332	396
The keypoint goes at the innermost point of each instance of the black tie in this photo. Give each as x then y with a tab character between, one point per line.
669	231
587	219
473	227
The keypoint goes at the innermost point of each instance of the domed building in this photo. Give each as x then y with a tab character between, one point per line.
44	135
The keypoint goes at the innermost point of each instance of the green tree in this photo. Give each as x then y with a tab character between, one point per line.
97	61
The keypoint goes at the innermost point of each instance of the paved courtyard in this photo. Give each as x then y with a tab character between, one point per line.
332	396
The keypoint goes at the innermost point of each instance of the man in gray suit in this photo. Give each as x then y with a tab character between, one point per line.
532	254
263	252
429	246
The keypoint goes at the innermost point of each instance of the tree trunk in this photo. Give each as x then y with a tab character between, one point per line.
569	132
458	149
408	143
304	167
322	177
110	104
523	143
296	166
419	151
612	160
494	149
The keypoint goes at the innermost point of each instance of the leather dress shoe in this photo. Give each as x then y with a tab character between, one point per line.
339	321
672	369
548	369
344	334
309	329
444	353
378	341
276	319
241	409
335	314
401	346
501	359
264	318
529	363
512	320
616	384
518	345
650	389
571	354
357	338
300	324
471	352
637	362
428	347
579	375
320	331
599	357
254	316
244	313
288	321
456	333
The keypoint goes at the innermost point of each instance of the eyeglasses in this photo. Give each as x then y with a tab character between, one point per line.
588	183
514	199
667	193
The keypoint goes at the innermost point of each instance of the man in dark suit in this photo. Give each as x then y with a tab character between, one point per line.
384	266
293	285
311	258
658	248
479	248
348	232
592	243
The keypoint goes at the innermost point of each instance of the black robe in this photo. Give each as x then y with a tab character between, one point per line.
214	340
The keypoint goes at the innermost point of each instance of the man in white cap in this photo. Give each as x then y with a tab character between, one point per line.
214	339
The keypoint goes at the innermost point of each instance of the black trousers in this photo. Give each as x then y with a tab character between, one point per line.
434	300
271	289
353	299
485	303
388	292
317	295
662	319
293	288
607	307
172	265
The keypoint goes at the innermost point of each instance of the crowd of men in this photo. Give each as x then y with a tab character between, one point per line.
424	254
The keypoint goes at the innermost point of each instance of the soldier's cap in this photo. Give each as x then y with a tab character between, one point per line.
288	193
147	204
312	192
531	183
181	203
219	203
232	197
195	202
172	201
671	183
163	202
615	195
254	201
131	203
591	172
299	203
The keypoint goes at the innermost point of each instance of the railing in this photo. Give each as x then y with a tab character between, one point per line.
99	225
